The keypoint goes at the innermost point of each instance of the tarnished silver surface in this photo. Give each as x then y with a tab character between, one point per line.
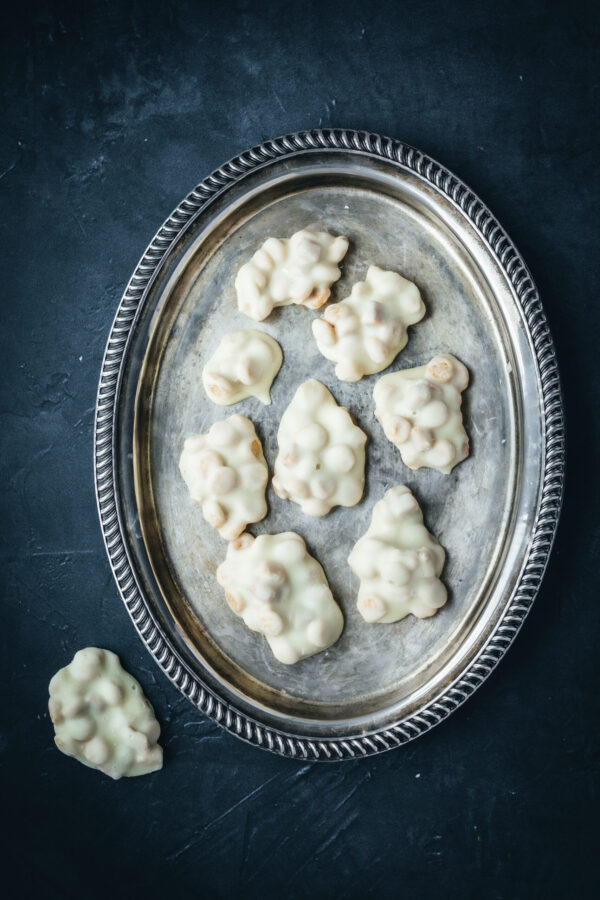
380	685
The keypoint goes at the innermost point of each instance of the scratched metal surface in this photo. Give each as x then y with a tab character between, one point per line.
371	666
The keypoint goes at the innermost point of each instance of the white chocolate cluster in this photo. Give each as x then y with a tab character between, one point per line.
363	333
321	459
243	365
226	473
101	716
398	562
300	269
281	591
420	412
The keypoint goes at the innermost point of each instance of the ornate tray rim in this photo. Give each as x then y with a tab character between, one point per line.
542	537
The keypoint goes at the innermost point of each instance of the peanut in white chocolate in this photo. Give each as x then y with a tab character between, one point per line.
101	716
364	332
226	473
398	562
299	270
243	365
281	591
420	412
321	459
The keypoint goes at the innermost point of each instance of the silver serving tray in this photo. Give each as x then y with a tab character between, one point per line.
496	514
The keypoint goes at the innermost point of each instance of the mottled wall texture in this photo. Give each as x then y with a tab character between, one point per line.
111	113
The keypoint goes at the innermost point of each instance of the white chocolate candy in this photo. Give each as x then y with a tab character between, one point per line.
398	562
227	474
321	459
101	716
363	333
420	412
300	269
281	591
243	365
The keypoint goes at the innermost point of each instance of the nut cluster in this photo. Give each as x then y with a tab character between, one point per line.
226	473
279	590
243	365
101	716
398	562
321	459
300	269
363	333
420	412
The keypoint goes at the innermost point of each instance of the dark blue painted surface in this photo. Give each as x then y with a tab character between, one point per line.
112	112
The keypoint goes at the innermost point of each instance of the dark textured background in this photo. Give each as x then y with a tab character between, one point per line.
112	112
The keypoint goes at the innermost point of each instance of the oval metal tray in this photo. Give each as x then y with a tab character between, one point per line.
496	514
